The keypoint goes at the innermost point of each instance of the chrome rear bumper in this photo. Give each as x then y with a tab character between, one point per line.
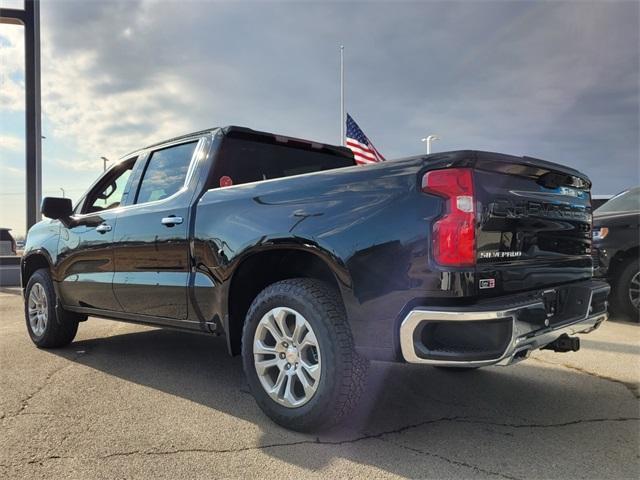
521	337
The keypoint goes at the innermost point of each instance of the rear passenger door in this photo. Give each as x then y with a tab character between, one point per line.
151	250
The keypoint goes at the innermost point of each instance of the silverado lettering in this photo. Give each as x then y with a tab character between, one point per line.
530	208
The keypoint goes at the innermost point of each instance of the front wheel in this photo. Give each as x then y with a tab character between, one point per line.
46	328
298	355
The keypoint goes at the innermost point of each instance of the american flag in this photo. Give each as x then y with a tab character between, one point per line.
363	150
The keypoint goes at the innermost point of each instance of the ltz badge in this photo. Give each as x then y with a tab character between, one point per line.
487	283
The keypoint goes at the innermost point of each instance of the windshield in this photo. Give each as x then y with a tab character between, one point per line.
623	202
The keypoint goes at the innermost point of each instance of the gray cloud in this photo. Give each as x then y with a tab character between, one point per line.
558	80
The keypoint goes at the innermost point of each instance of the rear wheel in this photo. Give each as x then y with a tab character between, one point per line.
299	357
625	297
46	327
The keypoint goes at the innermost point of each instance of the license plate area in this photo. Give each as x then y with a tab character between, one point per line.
557	307
565	304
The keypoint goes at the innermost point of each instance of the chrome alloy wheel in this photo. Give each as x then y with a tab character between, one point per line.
38	309
634	290
287	357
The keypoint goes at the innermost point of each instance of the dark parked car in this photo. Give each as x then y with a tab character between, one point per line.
616	248
310	265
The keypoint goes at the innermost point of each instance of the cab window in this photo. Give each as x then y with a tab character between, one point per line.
109	193
166	172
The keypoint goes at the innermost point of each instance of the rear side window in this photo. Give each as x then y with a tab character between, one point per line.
244	161
5	236
166	172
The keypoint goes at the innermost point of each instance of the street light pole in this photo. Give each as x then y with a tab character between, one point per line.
29	18
104	163
342	115
428	140
63	195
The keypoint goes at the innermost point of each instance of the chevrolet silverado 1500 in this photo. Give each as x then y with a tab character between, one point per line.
310	265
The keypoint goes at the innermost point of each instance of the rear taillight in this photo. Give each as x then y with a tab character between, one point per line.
13	246
454	234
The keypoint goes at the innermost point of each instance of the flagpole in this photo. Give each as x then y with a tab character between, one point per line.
342	116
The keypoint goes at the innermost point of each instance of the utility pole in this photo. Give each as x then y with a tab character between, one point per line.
29	18
104	163
342	116
428	140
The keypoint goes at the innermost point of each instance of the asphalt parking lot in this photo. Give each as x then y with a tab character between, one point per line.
125	401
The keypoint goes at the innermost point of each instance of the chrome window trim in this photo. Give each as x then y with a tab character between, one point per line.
199	149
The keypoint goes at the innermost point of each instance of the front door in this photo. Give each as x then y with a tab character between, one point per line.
151	238
85	263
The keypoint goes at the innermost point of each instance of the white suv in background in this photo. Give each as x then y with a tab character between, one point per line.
7	243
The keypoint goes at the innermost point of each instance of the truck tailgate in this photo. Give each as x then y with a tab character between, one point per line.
534	224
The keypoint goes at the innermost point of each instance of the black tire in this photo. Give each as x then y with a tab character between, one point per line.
60	329
343	373
620	296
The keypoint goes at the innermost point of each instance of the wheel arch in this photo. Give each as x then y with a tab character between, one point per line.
31	262
620	260
261	267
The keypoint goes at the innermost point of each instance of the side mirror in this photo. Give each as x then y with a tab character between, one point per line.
56	208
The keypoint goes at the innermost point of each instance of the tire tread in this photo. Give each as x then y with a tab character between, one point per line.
62	326
353	375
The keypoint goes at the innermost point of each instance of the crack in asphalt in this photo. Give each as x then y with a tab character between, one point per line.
24	403
475	468
378	436
40	461
42	414
633	388
550	425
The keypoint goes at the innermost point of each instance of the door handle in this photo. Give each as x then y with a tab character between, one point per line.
104	228
171	220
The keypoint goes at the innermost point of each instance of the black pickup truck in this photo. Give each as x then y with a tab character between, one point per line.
310	265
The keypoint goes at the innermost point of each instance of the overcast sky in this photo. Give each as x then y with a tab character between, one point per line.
555	80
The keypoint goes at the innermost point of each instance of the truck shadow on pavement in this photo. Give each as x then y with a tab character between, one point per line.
471	421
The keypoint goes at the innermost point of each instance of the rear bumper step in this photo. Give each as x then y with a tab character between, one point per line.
502	336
